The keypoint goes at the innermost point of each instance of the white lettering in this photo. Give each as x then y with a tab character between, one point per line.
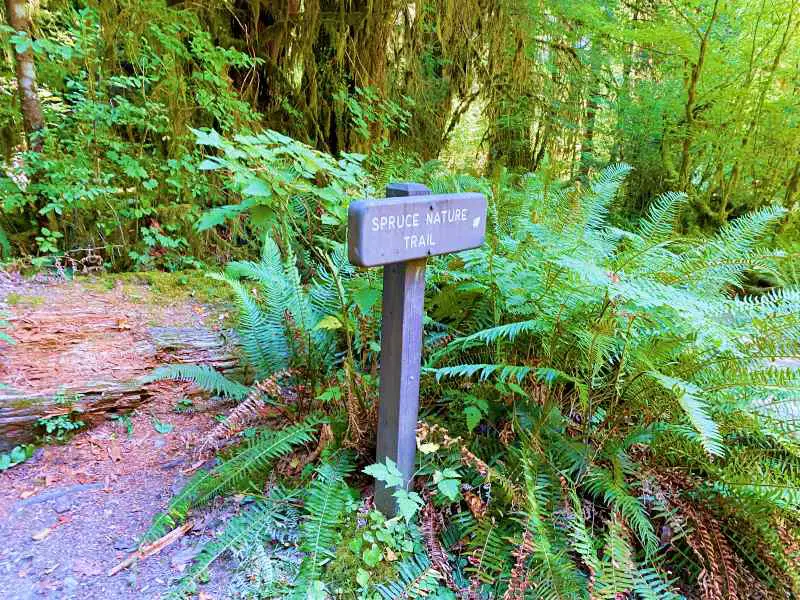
392	222
418	241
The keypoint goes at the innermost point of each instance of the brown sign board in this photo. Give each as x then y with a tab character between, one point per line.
393	230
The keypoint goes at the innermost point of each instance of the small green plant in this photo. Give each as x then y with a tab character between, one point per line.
4	337
17	299
125	421
162	427
184	405
62	398
17	455
48	241
60	427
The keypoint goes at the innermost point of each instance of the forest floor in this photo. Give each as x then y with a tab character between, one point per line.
76	509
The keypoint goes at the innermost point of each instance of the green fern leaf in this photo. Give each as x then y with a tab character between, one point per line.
255	456
325	503
270	519
416	578
688	396
205	377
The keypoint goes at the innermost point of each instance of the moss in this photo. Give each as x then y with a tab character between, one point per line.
341	572
22	403
172	286
15	299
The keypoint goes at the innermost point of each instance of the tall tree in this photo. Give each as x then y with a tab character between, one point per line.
18	15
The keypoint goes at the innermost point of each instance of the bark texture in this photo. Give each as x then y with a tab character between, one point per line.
18	15
96	399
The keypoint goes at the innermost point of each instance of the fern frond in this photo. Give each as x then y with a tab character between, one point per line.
602	484
416	578
262	335
503	372
603	188
659	224
649	584
325	502
616	580
205	377
688	396
269	519
256	455
739	237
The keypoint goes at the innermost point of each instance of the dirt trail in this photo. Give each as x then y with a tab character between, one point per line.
74	511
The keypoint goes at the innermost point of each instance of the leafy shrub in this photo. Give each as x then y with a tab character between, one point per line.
642	393
17	455
117	173
608	408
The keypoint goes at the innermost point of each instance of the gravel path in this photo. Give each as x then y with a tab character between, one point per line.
74	511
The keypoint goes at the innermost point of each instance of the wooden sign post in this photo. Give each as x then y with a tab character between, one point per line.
401	232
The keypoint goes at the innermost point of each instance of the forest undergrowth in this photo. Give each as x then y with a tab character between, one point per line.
610	383
606	411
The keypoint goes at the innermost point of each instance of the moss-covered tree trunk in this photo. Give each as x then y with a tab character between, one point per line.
18	15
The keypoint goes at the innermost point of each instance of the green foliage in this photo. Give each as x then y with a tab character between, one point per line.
16	456
275	178
204	377
609	361
60	427
326	499
4	337
634	355
237	472
272	519
280	327
416	578
117	173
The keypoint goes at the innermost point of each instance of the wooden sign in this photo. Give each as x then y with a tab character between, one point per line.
400	232
415	226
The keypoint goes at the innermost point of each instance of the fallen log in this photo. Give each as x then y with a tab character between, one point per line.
122	389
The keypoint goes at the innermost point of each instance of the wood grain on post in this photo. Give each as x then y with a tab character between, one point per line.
401	353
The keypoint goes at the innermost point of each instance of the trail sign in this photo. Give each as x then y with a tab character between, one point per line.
401	232
397	229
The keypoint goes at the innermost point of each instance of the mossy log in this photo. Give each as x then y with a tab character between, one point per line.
94	400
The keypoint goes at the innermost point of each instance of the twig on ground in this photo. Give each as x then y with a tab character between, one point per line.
153	548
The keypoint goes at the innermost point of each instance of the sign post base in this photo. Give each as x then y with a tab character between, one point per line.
401	353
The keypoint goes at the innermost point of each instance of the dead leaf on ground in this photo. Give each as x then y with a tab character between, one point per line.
40	535
475	504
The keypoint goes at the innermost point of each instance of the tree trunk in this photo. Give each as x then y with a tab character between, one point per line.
587	145
32	119
691	100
